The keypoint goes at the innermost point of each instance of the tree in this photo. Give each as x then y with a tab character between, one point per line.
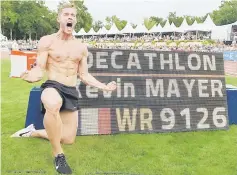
45	20
158	20
33	19
133	25
226	14
46	25
97	25
163	23
28	17
149	23
109	22
173	18
120	24
23	19
9	15
190	19
200	19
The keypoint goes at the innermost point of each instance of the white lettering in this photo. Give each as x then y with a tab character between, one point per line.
131	86
170	119
154	90
189	86
107	94
113	57
202	87
163	62
90	92
178	67
90	60
190	65
126	119
146	121
118	87
207	61
150	56
173	88
133	61
217	89
100	60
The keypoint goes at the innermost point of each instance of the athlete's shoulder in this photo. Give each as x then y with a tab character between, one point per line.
45	41
82	47
80	44
48	37
78	41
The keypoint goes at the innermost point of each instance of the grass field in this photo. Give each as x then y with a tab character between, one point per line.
185	153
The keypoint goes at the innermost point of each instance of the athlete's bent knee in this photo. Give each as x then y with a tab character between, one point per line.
51	100
68	141
52	105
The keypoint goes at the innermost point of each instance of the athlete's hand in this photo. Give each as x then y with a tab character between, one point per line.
34	75
25	76
110	86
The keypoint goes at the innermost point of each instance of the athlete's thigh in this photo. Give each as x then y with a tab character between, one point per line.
70	124
51	98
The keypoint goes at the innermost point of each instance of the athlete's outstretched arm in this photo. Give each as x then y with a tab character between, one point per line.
37	72
88	79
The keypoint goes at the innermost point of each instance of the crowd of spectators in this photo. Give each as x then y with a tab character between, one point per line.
143	42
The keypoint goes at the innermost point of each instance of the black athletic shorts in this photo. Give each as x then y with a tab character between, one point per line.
69	94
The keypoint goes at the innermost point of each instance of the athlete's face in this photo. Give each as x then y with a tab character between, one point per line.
67	20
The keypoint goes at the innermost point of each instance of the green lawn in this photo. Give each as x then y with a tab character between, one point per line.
231	80
184	153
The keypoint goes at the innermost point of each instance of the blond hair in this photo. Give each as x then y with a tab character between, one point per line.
64	6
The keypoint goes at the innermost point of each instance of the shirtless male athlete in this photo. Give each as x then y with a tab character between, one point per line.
63	58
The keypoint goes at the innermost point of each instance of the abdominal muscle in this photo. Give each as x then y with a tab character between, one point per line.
64	72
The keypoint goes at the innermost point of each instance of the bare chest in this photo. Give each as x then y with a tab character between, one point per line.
61	52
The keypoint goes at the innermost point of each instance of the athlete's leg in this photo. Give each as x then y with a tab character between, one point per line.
52	122
69	128
70	124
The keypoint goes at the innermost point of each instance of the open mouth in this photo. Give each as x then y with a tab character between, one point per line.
69	24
